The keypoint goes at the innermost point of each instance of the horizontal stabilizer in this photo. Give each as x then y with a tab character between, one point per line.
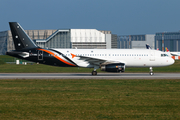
22	54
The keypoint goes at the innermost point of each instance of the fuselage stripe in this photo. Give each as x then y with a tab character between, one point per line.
63	56
57	57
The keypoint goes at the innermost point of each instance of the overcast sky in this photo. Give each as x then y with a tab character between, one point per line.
122	17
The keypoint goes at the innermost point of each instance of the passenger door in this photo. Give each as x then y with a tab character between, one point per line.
152	55
40	55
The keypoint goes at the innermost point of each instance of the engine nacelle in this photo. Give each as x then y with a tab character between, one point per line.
114	67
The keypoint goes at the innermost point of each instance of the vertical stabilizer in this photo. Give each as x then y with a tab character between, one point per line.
20	38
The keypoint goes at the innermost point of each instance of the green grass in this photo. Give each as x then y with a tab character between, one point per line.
12	68
2	62
6	58
90	99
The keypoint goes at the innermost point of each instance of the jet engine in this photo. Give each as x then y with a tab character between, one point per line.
114	67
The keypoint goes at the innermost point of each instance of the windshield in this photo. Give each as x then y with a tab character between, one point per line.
164	55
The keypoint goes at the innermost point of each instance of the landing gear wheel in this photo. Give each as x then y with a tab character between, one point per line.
151	73
94	73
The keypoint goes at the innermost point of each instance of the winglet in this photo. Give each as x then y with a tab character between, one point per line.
148	46
73	55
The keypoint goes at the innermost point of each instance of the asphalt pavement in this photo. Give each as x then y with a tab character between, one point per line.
89	76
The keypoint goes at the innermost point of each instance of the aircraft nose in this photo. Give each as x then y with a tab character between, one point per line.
171	61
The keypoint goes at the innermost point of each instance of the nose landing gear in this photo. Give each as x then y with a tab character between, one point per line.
151	71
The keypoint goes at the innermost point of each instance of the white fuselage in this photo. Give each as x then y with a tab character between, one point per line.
131	57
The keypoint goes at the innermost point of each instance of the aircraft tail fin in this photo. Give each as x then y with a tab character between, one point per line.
20	38
167	49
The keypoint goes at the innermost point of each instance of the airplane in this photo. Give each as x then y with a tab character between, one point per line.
170	54
109	60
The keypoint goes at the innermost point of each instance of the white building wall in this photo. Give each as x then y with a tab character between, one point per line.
87	35
108	41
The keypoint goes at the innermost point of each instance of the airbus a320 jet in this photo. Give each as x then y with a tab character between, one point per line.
109	60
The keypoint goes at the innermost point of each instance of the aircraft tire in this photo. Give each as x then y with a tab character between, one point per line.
151	73
94	72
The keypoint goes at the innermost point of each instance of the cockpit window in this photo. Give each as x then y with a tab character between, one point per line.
164	55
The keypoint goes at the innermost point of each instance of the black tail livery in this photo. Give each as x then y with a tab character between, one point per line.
20	38
26	49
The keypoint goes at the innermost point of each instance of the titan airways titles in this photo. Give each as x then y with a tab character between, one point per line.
109	60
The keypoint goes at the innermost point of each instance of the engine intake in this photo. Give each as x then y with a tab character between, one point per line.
115	67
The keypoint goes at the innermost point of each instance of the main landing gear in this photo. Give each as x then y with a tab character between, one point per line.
94	72
151	71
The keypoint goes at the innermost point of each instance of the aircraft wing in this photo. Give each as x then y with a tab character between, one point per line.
174	54
96	61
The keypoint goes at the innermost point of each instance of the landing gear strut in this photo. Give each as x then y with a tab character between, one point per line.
151	71
94	72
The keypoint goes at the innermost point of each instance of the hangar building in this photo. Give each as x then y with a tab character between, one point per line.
171	40
135	41
63	38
